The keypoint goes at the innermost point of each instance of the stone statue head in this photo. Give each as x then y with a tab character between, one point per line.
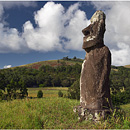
94	33
98	15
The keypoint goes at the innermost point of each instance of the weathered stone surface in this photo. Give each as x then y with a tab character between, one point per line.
94	33
90	114
94	81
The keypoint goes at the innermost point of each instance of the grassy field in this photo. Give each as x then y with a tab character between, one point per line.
52	113
47	91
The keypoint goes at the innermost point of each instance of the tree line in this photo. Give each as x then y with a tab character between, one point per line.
16	80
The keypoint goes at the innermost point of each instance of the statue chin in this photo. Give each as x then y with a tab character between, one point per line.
88	43
92	44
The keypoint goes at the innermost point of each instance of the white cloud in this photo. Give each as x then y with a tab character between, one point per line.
7	66
121	56
73	31
57	29
49	27
10	39
117	35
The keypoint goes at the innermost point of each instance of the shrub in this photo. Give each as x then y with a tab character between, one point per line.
74	90
121	98
40	94
60	94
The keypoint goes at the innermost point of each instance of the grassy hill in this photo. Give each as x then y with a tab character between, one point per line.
59	62
52	63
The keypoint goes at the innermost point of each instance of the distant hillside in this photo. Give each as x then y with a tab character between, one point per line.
60	62
127	66
54	73
52	63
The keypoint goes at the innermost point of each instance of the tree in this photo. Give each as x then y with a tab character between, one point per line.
56	81
65	58
68	68
74	58
47	80
12	87
65	83
23	89
40	78
77	68
2	83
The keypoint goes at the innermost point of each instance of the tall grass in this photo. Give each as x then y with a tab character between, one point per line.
50	113
37	113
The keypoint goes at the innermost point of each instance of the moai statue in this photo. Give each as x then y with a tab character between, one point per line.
94	81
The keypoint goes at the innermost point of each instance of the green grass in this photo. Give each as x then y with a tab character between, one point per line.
47	91
49	113
37	113
52	113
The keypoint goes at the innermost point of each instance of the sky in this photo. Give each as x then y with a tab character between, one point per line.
32	31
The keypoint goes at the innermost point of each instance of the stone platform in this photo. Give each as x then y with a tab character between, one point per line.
94	115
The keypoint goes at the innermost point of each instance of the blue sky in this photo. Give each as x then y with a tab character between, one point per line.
37	31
